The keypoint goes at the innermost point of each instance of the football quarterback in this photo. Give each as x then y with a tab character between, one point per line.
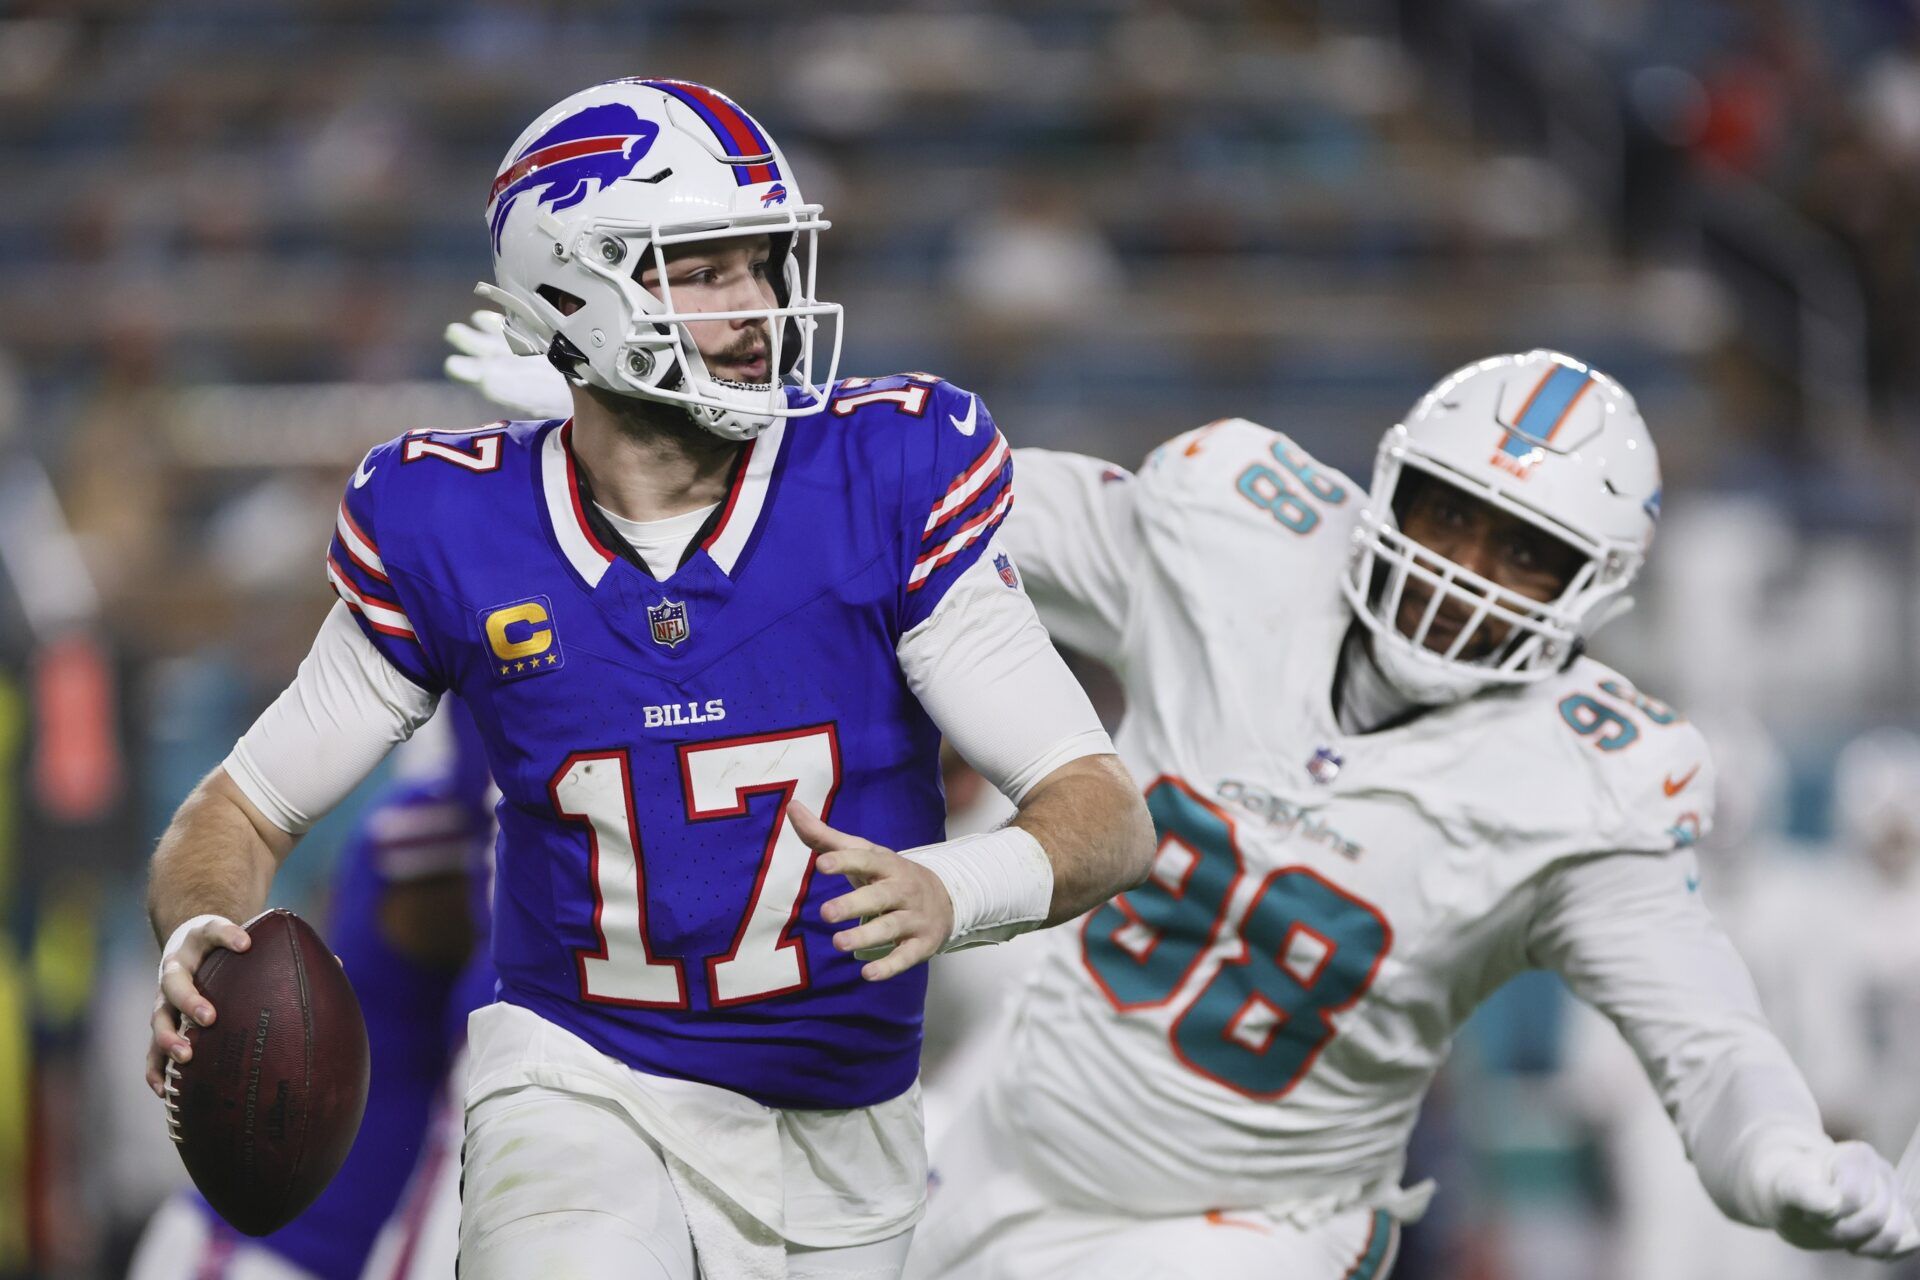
720	601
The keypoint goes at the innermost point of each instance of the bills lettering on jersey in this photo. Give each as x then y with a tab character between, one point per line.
651	896
675	714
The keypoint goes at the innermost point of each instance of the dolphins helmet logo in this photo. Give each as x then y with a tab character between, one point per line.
580	156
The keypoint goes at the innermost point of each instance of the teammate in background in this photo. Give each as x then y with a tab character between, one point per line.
719	606
1385	779
401	922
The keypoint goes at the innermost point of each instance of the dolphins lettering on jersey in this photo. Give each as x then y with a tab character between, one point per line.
669	715
585	153
1286	817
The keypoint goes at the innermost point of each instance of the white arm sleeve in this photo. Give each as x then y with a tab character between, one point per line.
1632	937
1073	533
344	711
984	669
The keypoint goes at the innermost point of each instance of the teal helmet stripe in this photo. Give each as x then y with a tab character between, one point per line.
1545	410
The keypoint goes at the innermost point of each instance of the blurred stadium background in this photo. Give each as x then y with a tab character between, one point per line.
231	232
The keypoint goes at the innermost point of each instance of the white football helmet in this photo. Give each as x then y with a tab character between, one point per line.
1540	436
596	190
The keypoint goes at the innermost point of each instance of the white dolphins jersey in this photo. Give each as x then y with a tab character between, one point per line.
1256	1025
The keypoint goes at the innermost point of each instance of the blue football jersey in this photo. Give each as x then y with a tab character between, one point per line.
650	895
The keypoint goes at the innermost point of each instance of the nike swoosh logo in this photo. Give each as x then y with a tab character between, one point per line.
1673	787
965	425
364	473
1193	445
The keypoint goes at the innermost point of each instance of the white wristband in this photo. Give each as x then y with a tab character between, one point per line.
1001	883
179	935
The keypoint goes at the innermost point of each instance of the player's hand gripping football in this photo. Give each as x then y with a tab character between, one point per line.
524	385
189	946
1843	1196
899	903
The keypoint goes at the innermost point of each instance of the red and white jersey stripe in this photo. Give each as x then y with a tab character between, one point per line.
971	482
970	532
748	499
582	548
359	546
383	616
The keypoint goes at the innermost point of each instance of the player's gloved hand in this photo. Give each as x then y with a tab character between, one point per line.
1841	1196
899	902
527	386
180	959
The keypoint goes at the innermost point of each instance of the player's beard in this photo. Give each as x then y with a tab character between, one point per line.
643	419
754	341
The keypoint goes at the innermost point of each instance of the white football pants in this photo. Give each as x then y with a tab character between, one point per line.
563	1184
989	1220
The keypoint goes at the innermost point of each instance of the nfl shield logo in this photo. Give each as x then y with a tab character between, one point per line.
1008	574
668	622
1325	765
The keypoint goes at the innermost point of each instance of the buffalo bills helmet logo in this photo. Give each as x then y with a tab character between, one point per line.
775	194
582	155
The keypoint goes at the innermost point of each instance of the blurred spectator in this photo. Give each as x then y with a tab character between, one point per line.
1034	257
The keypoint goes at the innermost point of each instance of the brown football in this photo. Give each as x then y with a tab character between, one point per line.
266	1109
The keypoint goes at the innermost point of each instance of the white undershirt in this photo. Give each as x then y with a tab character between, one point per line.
661	543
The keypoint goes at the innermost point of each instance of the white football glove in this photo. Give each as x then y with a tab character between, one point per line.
1844	1196
526	386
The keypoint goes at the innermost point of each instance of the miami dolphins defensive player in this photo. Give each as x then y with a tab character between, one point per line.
1385	779
717	606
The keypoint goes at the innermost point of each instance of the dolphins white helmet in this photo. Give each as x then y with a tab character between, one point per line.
1540	436
596	190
